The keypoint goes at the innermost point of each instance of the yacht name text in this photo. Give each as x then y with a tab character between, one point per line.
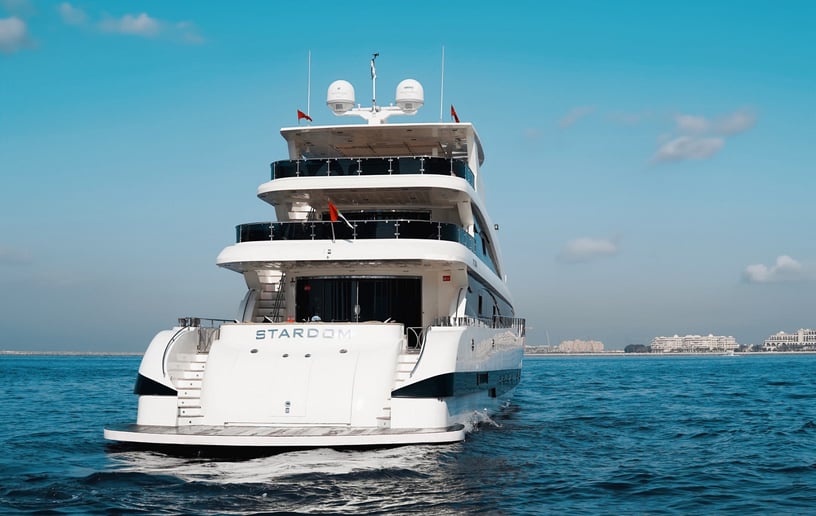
303	333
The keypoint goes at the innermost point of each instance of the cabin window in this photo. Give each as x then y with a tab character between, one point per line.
483	300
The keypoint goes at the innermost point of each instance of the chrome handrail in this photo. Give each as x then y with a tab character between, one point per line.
419	333
498	321
210	322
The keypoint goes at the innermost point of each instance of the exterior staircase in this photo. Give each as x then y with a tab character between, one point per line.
405	365
188	383
271	302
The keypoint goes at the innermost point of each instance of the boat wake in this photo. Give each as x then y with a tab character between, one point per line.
479	419
419	460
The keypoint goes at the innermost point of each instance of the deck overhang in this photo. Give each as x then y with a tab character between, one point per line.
451	140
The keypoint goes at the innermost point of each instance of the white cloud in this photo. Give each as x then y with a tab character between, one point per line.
10	256
574	115
692	123
725	125
688	147
140	25
72	15
698	137
13	35
586	249
148	27
188	33
785	269
736	122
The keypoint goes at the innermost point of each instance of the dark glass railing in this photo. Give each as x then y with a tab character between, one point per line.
372	167
360	230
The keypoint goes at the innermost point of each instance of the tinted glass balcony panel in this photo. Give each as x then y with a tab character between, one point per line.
371	167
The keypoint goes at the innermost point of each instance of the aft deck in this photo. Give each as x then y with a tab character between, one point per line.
282	437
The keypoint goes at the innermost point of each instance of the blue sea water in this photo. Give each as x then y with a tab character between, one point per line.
584	435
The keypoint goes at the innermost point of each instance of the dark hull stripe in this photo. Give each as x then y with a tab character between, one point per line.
446	385
147	387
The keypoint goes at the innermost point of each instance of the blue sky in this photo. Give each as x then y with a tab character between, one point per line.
651	164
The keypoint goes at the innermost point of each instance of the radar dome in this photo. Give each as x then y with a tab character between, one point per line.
410	95
340	97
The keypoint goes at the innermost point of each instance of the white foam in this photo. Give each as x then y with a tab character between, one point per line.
264	469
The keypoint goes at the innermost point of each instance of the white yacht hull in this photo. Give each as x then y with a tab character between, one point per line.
250	385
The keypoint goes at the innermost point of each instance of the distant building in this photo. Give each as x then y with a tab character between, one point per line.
581	346
694	344
803	340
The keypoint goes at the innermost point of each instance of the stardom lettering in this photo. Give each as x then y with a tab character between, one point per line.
303	333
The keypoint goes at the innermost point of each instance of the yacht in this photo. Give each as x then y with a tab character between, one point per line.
376	313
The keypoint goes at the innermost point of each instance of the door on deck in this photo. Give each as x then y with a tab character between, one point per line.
360	299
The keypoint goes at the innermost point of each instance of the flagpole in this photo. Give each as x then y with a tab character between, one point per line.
309	85
442	87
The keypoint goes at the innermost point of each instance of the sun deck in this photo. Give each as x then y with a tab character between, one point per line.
450	140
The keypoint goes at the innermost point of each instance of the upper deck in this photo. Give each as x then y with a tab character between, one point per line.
449	140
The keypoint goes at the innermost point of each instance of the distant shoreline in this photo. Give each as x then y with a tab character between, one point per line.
674	354
72	353
612	353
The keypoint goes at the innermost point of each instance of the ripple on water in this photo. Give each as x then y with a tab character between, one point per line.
654	435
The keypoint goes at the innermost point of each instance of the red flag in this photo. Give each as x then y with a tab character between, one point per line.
454	115
302	115
334	214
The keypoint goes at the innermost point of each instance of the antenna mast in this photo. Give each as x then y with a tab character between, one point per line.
374	82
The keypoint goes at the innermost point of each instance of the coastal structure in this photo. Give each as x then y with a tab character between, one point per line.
376	311
694	344
802	340
580	346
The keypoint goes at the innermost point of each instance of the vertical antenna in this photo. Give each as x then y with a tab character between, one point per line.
309	85
374	82
442	87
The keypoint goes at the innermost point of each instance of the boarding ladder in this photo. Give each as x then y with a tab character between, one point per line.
406	362
188	376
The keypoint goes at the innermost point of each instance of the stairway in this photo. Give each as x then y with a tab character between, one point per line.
188	383
271	302
405	366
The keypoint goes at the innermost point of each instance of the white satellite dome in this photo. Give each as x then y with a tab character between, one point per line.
410	95
340	97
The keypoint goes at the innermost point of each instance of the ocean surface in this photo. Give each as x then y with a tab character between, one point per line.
584	435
